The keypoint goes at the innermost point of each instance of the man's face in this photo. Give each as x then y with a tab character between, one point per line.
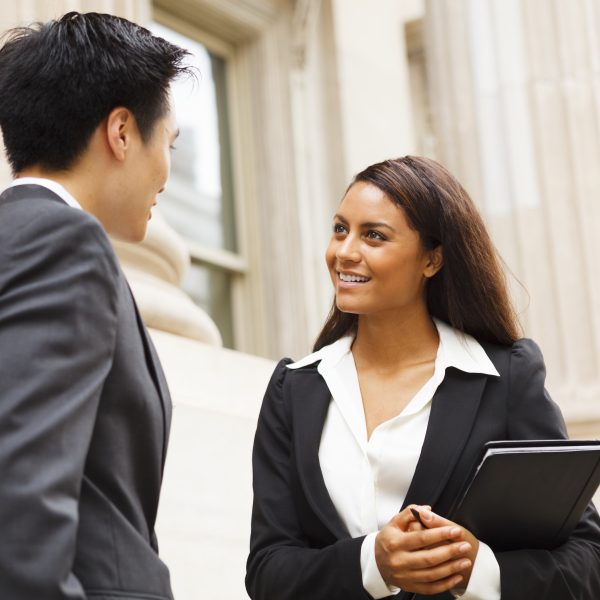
148	169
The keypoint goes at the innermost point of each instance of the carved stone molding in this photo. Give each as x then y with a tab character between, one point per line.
232	20
155	268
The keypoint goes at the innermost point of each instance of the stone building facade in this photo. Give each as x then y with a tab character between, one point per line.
506	93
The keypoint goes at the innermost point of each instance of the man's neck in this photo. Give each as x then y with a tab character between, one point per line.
61	177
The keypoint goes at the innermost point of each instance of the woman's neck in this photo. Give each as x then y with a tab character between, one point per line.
389	342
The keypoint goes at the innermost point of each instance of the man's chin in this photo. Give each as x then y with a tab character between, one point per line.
132	236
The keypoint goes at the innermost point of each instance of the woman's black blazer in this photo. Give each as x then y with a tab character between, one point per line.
301	550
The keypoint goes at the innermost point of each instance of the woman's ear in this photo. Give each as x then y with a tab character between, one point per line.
435	262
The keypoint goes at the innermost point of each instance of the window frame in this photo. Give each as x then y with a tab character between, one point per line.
235	264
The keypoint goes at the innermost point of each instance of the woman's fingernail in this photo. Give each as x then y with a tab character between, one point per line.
464	564
464	547
426	515
455	531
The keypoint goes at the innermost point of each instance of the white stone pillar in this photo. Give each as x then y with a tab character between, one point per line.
516	102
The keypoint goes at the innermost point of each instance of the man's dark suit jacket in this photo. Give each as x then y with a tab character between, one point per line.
301	550
84	413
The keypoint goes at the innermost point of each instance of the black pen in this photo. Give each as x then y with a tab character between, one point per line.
417	516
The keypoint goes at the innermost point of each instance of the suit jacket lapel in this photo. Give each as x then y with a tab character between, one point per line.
160	382
156	374
453	411
310	404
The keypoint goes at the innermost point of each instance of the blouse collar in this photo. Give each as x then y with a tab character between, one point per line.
456	349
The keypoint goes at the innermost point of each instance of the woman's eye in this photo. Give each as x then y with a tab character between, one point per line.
338	228
375	235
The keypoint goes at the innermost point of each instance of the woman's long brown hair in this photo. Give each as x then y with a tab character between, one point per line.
469	292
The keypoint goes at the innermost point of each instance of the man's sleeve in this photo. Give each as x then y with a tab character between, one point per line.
58	315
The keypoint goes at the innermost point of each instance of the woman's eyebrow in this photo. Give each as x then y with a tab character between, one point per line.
365	225
376	224
340	218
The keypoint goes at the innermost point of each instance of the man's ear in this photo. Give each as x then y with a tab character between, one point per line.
120	129
435	261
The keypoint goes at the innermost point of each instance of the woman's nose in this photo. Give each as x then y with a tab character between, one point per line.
348	249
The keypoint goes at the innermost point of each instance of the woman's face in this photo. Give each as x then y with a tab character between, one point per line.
376	261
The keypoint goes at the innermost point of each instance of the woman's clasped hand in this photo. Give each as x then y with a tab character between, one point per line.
426	561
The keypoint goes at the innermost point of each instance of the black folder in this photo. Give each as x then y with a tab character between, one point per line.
529	494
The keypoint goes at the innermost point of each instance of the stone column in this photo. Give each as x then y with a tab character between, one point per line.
515	88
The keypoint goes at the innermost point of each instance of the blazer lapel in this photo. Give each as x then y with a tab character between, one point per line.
156	374
310	409
453	411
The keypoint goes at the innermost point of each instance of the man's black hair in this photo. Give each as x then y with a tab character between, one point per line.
59	80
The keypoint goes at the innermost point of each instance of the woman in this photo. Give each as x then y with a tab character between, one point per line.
418	365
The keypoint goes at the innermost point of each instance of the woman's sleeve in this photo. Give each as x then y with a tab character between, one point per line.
281	564
571	571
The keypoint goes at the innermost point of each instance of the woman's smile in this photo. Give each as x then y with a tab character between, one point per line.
347	278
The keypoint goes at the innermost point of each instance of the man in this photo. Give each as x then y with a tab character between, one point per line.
84	408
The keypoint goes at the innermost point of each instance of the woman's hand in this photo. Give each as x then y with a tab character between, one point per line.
431	520
425	561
